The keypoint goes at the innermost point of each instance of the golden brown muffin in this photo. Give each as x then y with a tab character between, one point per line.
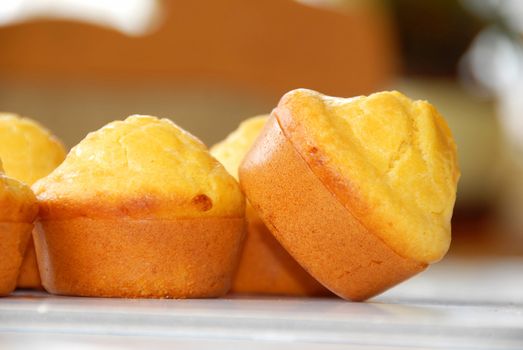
359	191
139	208
29	152
19	209
265	267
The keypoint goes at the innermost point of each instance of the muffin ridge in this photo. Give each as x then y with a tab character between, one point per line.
312	123
149	166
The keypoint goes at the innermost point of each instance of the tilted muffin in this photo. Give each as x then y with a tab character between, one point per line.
359	191
29	152
19	209
264	267
139	208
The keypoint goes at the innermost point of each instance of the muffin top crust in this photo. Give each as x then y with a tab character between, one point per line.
17	201
231	151
142	167
391	161
28	150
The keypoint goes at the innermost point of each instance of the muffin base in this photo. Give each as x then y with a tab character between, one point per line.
13	243
183	258
266	268
312	224
29	277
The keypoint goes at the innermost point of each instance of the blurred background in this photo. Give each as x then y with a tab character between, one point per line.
75	65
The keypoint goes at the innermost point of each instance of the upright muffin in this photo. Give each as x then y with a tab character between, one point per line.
29	152
139	208
265	267
359	191
19	209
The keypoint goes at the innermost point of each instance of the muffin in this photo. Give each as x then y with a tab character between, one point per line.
29	152
19	209
139	208
264	267
359	191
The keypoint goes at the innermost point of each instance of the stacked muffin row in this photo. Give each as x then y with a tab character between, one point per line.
349	196
28	152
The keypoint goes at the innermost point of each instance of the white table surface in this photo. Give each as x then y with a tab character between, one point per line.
456	304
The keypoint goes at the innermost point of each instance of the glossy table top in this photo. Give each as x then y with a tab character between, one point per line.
459	303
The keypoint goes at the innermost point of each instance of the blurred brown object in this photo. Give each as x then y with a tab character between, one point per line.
481	233
270	46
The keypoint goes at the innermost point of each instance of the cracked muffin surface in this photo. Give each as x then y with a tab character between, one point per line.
139	208
28	150
142	167
388	159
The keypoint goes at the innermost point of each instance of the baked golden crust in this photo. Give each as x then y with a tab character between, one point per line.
389	160
29	152
264	267
29	276
151	169
231	151
13	242
313	225
139	209
17	201
181	258
19	209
